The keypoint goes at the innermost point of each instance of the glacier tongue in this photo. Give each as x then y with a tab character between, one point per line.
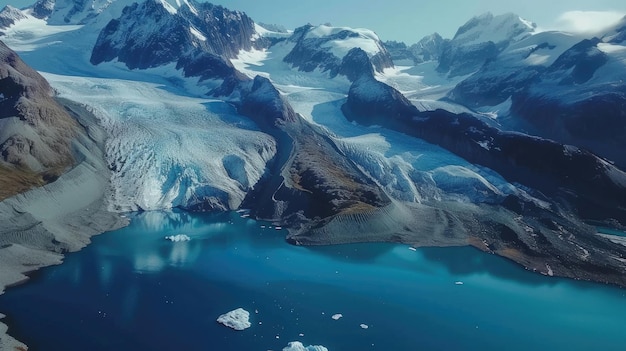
168	150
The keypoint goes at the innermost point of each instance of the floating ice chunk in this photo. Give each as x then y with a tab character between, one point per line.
364	326
237	319
297	346
178	237
337	316
458	283
412	248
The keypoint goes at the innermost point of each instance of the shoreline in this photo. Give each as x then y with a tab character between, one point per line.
38	227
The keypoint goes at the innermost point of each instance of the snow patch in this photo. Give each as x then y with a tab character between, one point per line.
191	8
31	33
366	39
537	60
196	33
484	144
236	319
171	9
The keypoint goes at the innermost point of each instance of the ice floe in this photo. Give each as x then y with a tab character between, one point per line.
237	319
337	316
178	237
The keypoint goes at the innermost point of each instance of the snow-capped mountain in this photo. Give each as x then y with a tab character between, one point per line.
558	85
480	39
323	48
8	16
199	38
60	12
427	49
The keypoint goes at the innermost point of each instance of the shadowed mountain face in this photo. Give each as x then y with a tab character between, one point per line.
199	39
35	131
560	87
573	179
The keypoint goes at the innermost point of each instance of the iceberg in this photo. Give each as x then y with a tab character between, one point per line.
178	237
337	316
297	346
364	326
236	319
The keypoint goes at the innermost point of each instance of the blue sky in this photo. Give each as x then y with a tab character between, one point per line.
410	20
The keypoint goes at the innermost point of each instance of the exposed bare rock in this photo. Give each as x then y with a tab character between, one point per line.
35	131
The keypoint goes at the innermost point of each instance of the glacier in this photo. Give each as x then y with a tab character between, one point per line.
168	145
168	150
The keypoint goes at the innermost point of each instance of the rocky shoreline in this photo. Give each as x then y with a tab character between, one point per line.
39	226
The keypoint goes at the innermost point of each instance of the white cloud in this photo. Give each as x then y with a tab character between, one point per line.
586	21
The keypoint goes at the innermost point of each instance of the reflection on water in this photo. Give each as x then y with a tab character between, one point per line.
134	290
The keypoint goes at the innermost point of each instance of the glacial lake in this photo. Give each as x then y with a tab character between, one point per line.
133	290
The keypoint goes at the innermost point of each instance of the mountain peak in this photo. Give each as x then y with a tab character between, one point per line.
8	16
487	27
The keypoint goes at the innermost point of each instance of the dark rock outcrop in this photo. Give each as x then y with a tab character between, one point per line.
309	181
596	188
43	8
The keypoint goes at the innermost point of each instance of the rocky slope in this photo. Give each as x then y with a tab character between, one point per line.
35	131
573	179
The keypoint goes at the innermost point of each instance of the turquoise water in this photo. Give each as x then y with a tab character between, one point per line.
133	290
611	231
